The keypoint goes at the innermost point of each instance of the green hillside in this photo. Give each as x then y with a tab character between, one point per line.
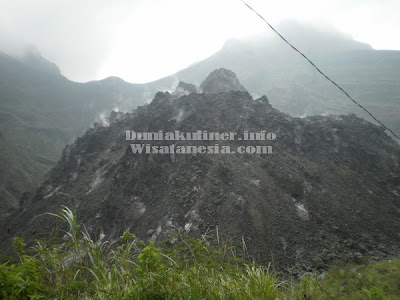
41	111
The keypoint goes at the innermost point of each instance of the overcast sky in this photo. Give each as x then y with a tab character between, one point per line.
143	40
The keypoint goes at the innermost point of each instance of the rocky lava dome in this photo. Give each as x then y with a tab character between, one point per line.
330	189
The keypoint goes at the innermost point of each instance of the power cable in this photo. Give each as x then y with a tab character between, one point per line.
323	74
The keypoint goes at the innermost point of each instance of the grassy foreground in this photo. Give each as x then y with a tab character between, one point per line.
185	268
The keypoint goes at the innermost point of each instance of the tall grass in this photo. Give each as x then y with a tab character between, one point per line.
80	268
77	267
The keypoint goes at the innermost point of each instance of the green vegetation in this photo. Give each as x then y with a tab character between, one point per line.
378	281
178	268
41	112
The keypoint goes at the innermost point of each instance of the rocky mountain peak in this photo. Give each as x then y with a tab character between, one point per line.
306	191
221	81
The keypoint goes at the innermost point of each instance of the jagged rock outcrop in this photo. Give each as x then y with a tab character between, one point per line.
184	88
221	81
330	189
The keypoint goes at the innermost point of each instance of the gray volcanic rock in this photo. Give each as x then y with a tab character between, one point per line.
330	189
221	81
184	88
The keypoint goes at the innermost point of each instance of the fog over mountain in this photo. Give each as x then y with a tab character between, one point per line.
268	66
103	39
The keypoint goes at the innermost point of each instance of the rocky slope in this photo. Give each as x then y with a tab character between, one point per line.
330	189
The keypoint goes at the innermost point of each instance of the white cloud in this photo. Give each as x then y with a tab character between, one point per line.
141	41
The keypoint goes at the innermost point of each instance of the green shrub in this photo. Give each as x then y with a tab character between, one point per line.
21	281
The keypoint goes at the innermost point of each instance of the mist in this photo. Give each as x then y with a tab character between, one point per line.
141	41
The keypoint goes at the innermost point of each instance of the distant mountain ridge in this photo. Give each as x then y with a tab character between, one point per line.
41	111
33	59
268	66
